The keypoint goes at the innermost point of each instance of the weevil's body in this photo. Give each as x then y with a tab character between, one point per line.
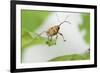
53	30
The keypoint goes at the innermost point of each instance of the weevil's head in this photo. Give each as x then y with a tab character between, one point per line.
57	27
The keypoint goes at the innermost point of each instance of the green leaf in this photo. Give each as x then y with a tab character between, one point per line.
72	57
29	39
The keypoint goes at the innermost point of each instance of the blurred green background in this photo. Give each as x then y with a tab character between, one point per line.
31	20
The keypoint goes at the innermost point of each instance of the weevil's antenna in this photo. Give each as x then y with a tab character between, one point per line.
66	18
65	21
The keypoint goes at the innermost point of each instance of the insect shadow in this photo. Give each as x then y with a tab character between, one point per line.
54	31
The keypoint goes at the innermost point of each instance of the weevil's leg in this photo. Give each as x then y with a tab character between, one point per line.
50	38
39	35
42	33
62	36
56	39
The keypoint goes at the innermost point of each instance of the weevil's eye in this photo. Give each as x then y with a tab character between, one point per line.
58	27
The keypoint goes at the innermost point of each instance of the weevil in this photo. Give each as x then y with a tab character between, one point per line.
54	31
